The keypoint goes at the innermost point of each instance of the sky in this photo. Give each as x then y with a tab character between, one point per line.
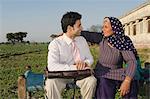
41	18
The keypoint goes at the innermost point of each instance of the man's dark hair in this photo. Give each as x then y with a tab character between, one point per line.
69	19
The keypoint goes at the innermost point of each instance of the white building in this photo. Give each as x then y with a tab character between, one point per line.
137	25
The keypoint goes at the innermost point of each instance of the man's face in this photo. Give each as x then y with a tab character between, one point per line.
77	28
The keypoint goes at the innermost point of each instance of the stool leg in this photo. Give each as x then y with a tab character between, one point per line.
21	88
147	90
74	92
74	89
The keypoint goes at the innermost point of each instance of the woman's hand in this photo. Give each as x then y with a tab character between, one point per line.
125	86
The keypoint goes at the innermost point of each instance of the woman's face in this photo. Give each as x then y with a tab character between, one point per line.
107	29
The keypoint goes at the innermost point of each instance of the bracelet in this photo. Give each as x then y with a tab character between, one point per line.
127	80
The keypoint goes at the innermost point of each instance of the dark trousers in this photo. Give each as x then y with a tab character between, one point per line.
107	88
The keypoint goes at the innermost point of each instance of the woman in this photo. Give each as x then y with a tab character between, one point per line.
115	48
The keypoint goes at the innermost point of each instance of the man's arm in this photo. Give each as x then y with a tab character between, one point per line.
88	57
54	59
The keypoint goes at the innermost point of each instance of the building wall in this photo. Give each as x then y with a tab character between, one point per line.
136	25
138	13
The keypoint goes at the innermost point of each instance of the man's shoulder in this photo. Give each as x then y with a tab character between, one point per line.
56	40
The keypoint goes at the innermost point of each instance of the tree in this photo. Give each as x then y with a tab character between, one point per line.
16	37
20	35
95	28
55	35
10	37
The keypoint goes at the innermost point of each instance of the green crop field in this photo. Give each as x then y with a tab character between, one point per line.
14	58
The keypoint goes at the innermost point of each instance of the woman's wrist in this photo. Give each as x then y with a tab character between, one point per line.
128	79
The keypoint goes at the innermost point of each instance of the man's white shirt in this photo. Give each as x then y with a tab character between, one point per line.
60	53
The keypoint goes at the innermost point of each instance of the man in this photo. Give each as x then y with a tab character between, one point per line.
70	52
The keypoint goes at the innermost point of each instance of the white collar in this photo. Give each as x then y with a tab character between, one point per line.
67	39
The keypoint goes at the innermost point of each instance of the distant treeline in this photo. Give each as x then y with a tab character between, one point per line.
25	42
16	37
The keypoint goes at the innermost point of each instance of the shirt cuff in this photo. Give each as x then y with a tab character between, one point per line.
87	62
73	67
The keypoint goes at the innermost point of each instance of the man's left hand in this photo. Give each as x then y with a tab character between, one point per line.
80	65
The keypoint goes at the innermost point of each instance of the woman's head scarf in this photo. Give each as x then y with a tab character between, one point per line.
119	40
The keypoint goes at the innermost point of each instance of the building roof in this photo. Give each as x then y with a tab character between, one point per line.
135	9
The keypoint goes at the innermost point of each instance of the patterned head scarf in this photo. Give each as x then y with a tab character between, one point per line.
119	40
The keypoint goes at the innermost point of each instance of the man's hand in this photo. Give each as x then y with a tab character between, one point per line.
80	65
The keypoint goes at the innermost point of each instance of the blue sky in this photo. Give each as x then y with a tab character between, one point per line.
41	18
